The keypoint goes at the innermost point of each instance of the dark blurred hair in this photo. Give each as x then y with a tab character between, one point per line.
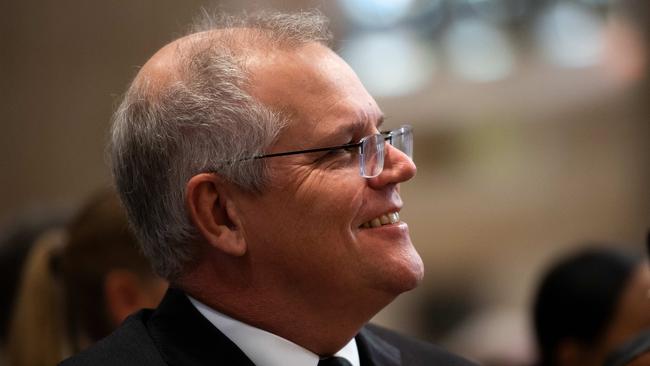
99	240
578	296
61	307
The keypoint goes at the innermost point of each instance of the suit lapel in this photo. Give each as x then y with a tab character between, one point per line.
184	337
374	351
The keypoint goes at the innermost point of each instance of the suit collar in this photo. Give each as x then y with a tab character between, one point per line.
184	337
374	351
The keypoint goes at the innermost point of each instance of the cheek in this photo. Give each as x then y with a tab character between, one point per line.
306	213
328	198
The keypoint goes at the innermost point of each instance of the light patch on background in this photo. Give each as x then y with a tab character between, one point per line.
478	50
390	63
570	35
374	13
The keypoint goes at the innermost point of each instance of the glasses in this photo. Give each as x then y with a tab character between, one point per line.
371	149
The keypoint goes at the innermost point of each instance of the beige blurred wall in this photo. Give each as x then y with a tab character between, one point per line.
64	63
63	66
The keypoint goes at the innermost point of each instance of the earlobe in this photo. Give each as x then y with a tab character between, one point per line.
214	214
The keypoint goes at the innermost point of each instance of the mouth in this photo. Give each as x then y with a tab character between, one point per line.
385	219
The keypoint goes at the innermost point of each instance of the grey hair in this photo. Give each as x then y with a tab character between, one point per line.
203	122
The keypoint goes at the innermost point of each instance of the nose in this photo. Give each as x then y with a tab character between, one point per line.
398	167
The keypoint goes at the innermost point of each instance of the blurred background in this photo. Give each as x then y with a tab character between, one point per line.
531	117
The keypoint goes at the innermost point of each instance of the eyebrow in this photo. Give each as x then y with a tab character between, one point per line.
359	125
362	123
351	129
381	120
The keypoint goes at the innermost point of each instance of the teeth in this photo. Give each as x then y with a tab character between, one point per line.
390	218
384	219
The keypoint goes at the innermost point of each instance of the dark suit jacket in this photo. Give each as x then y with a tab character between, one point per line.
177	334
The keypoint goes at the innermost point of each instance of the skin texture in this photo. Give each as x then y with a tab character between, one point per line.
292	259
632	316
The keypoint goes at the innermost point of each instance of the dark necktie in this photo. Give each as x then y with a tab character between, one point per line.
334	361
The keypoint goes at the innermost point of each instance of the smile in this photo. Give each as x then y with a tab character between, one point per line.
389	218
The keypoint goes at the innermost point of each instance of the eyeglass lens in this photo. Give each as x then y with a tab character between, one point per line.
372	150
372	156
402	139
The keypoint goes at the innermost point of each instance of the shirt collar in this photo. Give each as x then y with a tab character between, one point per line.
265	348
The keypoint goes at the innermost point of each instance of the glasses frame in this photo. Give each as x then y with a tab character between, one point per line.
386	135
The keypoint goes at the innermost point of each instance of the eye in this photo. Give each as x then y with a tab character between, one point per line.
351	149
337	155
338	152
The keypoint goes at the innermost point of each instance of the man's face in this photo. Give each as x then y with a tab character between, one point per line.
304	230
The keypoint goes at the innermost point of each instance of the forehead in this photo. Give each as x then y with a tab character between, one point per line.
316	89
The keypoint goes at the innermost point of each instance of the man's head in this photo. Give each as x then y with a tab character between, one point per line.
183	140
189	111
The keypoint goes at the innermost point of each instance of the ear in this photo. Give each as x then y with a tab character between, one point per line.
213	212
123	294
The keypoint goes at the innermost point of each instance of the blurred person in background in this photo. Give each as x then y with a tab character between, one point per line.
629	59
636	351
79	284
628	44
589	304
16	241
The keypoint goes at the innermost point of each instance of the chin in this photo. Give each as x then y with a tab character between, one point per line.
404	277
415	276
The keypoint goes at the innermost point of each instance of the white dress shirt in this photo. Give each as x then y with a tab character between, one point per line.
268	349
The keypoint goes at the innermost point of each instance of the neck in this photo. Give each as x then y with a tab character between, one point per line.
315	320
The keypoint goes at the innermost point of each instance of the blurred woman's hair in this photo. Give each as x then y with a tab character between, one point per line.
16	240
61	307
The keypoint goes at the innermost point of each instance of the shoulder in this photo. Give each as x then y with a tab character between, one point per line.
412	350
130	344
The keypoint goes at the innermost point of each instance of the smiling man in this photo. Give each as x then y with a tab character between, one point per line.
254	168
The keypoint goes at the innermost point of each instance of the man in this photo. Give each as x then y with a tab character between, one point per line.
250	159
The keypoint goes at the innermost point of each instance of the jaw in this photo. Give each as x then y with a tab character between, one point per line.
392	265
